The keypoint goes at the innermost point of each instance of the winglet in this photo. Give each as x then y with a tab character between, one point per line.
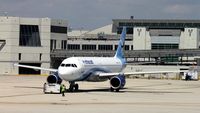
119	53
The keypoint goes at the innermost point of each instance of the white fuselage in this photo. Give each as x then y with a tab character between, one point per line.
84	68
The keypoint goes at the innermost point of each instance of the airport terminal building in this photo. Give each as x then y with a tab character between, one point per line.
146	34
153	34
45	42
161	34
27	41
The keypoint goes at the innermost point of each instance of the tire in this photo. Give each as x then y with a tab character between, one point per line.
111	89
117	90
71	88
44	88
76	87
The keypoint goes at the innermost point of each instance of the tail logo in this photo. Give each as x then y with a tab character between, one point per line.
119	53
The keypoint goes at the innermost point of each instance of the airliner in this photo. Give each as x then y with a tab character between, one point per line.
93	69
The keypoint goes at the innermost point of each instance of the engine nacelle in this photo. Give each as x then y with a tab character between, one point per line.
54	78
118	82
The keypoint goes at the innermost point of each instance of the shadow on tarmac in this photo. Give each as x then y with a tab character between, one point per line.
28	87
20	95
124	90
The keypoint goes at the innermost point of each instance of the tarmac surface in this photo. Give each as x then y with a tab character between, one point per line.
24	94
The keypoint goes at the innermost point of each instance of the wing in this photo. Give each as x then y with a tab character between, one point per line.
138	73
34	67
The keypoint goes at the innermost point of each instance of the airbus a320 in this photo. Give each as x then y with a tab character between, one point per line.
93	69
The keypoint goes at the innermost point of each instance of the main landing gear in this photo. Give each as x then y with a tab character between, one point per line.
73	87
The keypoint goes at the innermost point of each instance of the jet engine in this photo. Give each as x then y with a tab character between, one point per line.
117	82
54	78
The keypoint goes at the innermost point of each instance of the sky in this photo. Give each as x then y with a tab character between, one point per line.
91	14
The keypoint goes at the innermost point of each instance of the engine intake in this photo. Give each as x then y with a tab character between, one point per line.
118	82
54	78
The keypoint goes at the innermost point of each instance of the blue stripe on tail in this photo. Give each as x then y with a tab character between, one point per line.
119	53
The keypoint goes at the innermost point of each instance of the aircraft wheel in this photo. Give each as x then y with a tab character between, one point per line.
117	90
71	88
111	89
44	88
76	87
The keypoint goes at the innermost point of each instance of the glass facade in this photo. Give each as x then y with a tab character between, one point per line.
155	46
164	46
53	44
129	30
160	24
29	36
58	29
126	47
116	47
64	44
169	59
73	47
88	47
154	24
105	47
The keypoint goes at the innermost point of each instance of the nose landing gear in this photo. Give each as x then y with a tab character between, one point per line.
73	87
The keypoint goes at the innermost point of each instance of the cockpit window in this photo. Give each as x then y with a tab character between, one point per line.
62	65
74	65
68	65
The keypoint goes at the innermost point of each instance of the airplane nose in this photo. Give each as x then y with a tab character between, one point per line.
68	74
63	72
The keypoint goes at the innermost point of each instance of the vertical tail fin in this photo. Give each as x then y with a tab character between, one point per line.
119	53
